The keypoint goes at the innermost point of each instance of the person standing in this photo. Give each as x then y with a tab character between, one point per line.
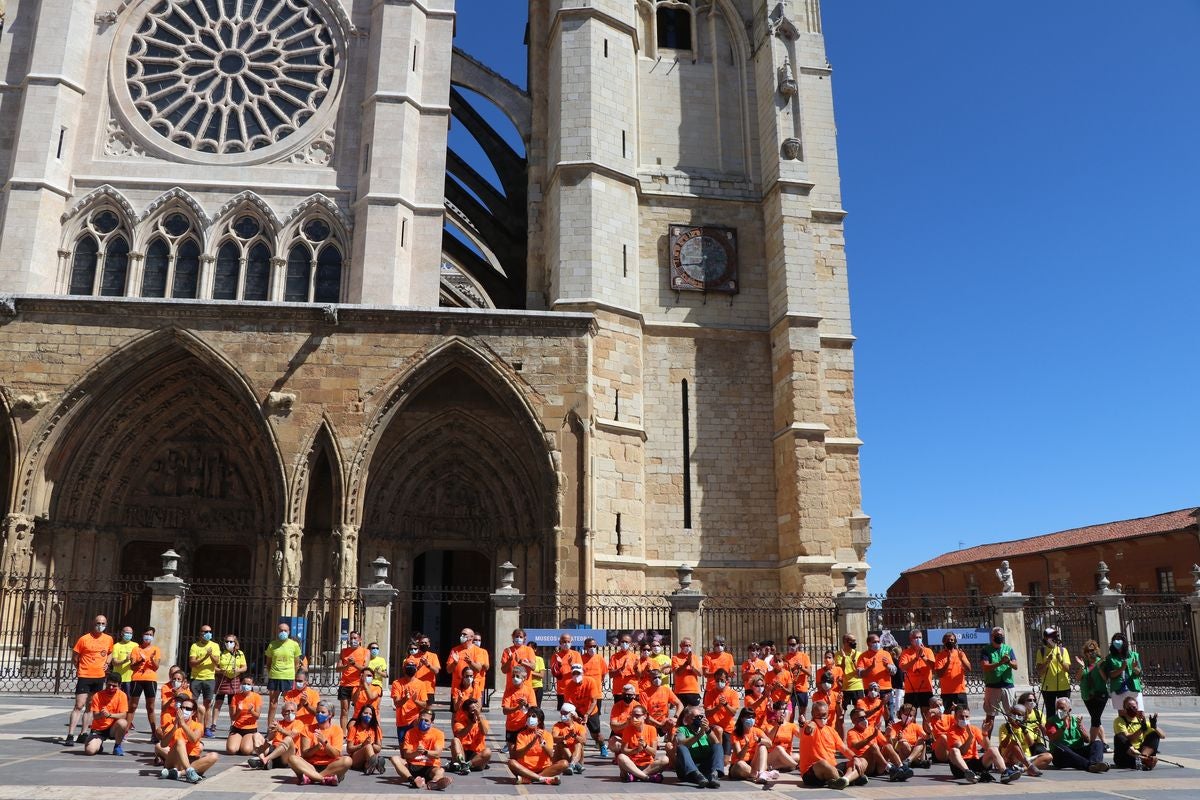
1123	671
410	696
951	667
583	693
561	662
800	665
519	654
595	668
1053	669
876	666
623	665
378	665
122	663
1093	688
231	666
427	661
716	658
146	659
283	659
687	670
466	654
91	657
846	660
537	677
203	658
352	660
999	662
917	663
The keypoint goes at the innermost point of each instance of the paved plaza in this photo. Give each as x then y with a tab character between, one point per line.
35	766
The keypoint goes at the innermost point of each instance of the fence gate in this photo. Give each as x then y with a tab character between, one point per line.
440	614
1074	616
1160	630
743	618
899	615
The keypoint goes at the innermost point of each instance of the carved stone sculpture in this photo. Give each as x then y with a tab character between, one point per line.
280	402
787	79
792	149
1006	578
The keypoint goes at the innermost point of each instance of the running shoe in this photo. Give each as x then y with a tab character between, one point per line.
193	776
1011	774
329	780
554	781
604	750
118	750
169	774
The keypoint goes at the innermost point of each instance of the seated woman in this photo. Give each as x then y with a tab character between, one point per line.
783	735
320	759
1135	738
468	749
531	757
748	752
868	743
1022	745
364	740
245	706
639	759
184	743
699	757
569	735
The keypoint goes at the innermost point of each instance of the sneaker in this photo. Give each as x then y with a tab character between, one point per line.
254	762
713	783
894	774
193	776
522	780
1099	766
604	750
838	783
577	769
418	783
861	780
1011	774
504	749
986	777
154	738
629	778
1033	772
304	780
1137	763
970	777
656	778
329	780
169	774
118	750
555	781
69	741
696	778
923	763
906	772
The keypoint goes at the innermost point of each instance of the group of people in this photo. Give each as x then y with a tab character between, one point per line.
853	716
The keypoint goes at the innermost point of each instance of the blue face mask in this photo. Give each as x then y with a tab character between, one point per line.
367	719
374	651
283	636
207	635
125	637
424	725
322	718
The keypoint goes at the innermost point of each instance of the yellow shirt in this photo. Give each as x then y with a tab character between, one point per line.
1057	663
849	666
378	665
1134	729
231	663
539	668
121	652
207	671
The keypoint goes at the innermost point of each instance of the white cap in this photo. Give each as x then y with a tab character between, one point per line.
568	708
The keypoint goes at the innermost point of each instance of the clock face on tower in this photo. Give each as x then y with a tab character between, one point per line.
704	259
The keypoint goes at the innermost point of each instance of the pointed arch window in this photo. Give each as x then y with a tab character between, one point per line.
673	21
187	271
172	258
314	265
243	262
100	257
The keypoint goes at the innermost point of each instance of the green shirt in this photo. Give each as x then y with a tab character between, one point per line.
685	733
283	656
121	652
1000	676
1125	681
1092	683
1069	733
206	671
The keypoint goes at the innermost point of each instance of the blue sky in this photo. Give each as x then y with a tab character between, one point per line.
1023	188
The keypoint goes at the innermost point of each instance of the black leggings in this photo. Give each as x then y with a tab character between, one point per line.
1095	707
1121	747
1050	698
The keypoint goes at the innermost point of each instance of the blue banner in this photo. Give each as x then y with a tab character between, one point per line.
548	637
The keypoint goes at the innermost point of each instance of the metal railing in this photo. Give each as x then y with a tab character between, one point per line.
1074	616
746	618
1160	630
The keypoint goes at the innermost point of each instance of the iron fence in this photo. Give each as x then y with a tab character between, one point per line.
41	618
1074	616
893	617
1160	630
746	618
441	614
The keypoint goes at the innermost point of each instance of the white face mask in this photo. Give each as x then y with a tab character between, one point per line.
531	722
656	649
873	693
564	646
686	649
964	723
230	646
518	681
186	713
917	642
874	646
720	648
299	684
566	717
591	651
721	684
624	645
657	681
757	690
288	716
577	678
1063	713
412	651
464	639
518	641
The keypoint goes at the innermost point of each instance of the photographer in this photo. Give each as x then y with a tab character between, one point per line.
1053	669
1069	745
1135	738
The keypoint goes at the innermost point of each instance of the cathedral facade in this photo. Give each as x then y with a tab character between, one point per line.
256	309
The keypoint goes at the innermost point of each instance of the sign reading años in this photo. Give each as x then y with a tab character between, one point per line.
703	259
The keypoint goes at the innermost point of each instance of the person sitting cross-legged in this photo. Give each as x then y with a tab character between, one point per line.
908	738
183	740
569	735
531	756
420	759
1070	746
639	759
869	744
364	741
819	748
699	757
1020	741
963	744
245	706
748	747
283	738
319	758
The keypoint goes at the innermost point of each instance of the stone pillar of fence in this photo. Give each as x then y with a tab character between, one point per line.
1008	612
852	609
685	611
377	606
166	605
1193	600
506	610
1108	608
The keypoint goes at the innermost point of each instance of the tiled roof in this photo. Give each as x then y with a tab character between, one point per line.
1075	537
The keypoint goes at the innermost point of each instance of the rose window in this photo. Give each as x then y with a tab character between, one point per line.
229	76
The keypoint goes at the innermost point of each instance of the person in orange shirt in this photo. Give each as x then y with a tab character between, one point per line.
757	701
466	654
283	739
173	691
532	759
907	738
819	747
970	754
748	747
875	665
780	683
662	706
320	758
304	697
873	705
520	654
623	664
466	689
638	758
721	704
146	659
595	668
517	704
468	749
917	662
936	724
753	664
428	664
569	735
410	697
109	707
951	667
364	741
869	743
91	656
367	693
246	706
184	743
800	665
583	693
783	735
561	662
352	660
687	669
716	658
618	717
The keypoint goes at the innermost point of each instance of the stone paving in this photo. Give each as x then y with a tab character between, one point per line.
35	766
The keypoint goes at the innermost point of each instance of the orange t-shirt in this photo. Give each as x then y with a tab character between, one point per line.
738	742
311	696
757	666
819	743
356	659
938	727
644	682
659	702
428	671
285	728
318	756
874	664
361	734
246	708
860	741
93	651
146	661
623	668
459	695
405	694
760	704
952	672
364	696
784	735
511	657
569	733
779	685
834	672
168	697
582	695
560	664
192	748
471	736
516	720
595	667
114	702
874	710
798	663
456	662
955	736
722	715
633	738
620	711
534	758
833	697
687	672
918	674
911	733
714	661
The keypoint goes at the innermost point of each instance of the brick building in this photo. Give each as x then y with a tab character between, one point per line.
1148	555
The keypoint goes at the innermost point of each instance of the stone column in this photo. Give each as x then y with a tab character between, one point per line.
377	604
1008	612
286	562
852	608
166	600
16	559
506	608
1108	608
685	611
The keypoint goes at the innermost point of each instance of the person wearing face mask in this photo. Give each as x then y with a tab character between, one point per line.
466	689
411	696
1122	669
699	756
517	704
638	758
950	667
174	690
283	661
561	663
937	723
1135	737
1069	745
783	735
969	753
569	735
466	654
428	664
518	654
320	759
231	665
827	692
687	669
779	682
800	666
304	697
184	746
876	666
351	661
623	663
122	660
109	708
660	657
1052	668
820	745
852	687
283	738
662	705
721	704
367	693
485	658
1093	688
717	658
618	717
907	738
757	700
245	707
583	693
869	744
364	741
378	664
999	662
644	667
146	658
468	749
1020	740
91	657
595	668
753	665
916	662
873	705
203	658
748	746
533	758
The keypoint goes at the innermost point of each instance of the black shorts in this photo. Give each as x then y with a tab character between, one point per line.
1037	748
849	698
949	701
103	735
973	764
689	699
346	693
810	779
510	737
89	685
147	689
469	755
423	771
920	700
243	731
